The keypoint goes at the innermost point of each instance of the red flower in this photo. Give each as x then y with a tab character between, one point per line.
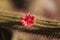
27	20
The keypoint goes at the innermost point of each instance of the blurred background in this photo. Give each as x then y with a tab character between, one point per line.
36	7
